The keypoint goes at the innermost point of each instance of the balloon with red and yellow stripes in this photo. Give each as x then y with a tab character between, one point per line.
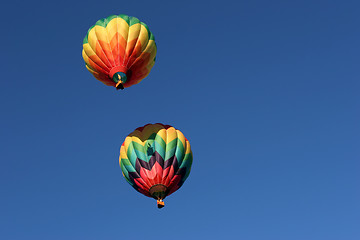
156	160
119	50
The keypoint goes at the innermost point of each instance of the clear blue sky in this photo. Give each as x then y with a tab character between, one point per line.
267	92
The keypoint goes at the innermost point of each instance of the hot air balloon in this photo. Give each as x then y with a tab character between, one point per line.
119	51
156	160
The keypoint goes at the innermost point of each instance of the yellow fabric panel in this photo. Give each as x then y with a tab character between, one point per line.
151	48
128	141
88	50
96	46
162	134
92	38
122	154
101	33
91	54
111	28
137	139
181	137
117	25
143	38
170	134
188	149
104	42
134	32
85	57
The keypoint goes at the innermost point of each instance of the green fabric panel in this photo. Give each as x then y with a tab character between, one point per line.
160	141
149	149
127	167
125	17
87	34
131	154
125	164
152	37
111	17
170	149
102	23
160	146
139	151
133	20
124	170
125	161
187	162
180	151
171	145
126	175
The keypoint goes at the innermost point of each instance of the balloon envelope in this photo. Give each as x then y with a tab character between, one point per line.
119	50
156	160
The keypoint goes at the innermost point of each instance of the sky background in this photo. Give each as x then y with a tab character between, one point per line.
267	92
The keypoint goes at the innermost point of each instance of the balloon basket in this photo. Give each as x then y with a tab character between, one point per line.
160	204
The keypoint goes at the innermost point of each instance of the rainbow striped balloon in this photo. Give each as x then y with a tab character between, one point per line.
119	51
156	160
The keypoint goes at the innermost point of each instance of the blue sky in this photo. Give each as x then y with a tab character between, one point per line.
267	92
